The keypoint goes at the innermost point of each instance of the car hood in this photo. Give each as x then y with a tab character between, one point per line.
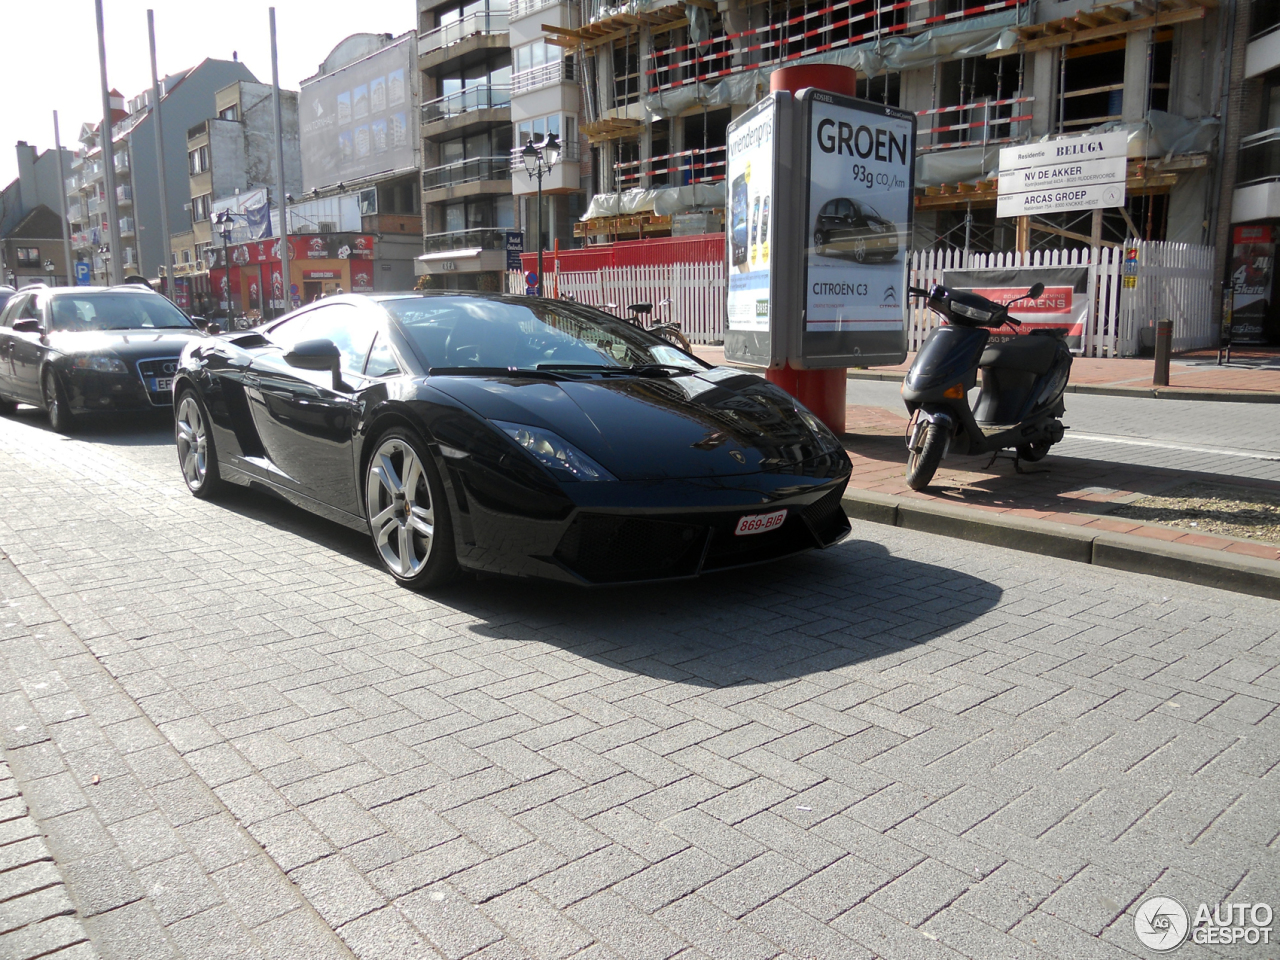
720	422
125	344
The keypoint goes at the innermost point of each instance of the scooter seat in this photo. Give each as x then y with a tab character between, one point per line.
1025	353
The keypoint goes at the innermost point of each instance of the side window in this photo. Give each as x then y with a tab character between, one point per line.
382	359
288	332
349	327
11	310
830	209
28	310
845	209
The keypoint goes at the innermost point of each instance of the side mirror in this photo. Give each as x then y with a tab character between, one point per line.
27	326
318	355
641	308
1035	291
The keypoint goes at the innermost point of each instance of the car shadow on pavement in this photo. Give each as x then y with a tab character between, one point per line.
806	614
149	428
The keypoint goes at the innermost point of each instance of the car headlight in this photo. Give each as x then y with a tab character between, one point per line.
827	440
560	457
100	363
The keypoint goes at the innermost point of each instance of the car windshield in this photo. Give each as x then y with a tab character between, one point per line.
869	211
461	332
77	312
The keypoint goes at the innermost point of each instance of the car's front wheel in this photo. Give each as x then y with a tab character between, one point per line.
408	513
55	402
196	453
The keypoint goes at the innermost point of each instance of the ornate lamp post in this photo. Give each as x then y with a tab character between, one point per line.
104	252
49	268
225	226
538	160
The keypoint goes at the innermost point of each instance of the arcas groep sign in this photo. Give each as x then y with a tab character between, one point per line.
821	197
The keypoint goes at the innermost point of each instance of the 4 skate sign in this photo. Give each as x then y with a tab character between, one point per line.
1071	173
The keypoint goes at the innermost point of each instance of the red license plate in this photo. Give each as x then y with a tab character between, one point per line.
760	523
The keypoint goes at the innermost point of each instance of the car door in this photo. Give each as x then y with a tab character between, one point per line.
304	421
6	347
27	353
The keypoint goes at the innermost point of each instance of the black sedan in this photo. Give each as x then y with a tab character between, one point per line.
853	229
75	350
510	435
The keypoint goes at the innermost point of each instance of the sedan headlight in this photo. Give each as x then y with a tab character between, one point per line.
827	440
101	363
560	457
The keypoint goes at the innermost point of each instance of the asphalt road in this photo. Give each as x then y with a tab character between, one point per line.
1231	439
240	739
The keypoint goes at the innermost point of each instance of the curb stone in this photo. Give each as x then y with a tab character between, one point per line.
37	917
1106	390
1157	558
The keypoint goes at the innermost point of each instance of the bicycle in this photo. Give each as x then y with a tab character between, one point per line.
668	330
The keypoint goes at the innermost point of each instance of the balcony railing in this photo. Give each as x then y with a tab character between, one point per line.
543	76
1260	157
75	212
95	205
122	163
451	33
124	193
1264	16
486	238
481	97
467	171
524	8
127	227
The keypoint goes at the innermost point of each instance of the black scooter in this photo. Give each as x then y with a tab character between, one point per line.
1022	384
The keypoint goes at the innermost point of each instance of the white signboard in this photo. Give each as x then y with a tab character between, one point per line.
750	245
1071	173
858	219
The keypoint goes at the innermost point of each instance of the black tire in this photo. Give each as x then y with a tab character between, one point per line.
923	464
201	476
1037	450
55	402
819	240
389	516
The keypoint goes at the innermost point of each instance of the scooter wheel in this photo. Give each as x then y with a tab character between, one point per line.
1031	452
922	464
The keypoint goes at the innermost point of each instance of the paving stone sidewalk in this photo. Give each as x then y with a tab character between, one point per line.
904	747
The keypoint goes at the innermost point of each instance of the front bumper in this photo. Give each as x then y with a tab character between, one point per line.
671	530
91	391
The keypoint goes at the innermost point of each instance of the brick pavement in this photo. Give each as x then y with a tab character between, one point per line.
907	746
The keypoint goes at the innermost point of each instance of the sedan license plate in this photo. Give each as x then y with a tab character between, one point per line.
160	385
759	523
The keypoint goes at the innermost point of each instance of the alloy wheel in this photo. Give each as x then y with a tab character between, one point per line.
401	513
193	442
860	250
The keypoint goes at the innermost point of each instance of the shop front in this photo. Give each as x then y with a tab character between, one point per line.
319	265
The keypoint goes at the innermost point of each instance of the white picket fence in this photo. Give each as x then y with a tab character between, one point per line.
1173	280
691	293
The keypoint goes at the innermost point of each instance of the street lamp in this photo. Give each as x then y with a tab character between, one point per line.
104	252
538	160
49	268
225	226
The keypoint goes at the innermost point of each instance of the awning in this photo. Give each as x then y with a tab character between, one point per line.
464	254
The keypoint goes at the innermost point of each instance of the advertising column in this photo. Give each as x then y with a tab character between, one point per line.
858	221
753	179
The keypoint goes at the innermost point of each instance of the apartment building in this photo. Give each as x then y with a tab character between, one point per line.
232	155
31	219
186	98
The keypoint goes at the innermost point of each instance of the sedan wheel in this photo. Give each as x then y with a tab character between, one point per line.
55	401
408	515
195	447
860	250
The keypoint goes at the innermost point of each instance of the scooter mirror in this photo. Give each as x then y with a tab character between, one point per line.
1035	291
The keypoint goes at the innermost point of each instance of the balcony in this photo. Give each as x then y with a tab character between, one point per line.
477	24
75	213
483	238
478	169
525	8
558	71
122	163
124	193
95	205
127	227
472	101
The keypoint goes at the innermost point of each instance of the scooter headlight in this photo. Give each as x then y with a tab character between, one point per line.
973	313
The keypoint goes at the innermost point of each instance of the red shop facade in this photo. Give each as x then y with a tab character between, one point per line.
319	265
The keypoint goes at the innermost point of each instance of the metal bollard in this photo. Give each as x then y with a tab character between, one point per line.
1164	346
